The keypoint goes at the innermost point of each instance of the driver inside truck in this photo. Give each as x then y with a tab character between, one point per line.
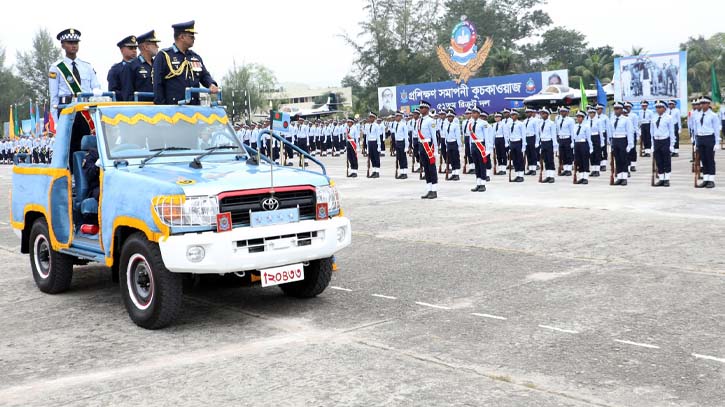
92	173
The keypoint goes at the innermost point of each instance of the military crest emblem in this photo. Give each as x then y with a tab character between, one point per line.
463	57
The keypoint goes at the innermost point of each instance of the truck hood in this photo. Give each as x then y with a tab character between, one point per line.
216	177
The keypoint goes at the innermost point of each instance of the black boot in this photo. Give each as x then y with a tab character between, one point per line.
353	175
488	178
454	178
659	183
594	174
624	182
519	179
404	176
667	183
375	175
710	184
481	188
584	181
602	168
702	184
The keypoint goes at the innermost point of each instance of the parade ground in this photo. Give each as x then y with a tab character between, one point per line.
527	294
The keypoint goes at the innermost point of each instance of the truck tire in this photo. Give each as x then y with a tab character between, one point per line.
151	293
52	270
317	277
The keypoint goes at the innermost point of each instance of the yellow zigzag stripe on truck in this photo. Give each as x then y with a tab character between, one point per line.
195	118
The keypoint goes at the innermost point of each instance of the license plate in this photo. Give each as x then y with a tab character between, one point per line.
282	275
278	217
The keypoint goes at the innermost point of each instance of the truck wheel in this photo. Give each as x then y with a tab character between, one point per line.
151	293
317	277
52	270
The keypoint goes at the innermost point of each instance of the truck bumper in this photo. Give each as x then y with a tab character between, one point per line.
254	248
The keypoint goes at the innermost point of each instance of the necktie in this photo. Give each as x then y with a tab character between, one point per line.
497	126
591	122
512	126
527	123
474	128
449	127
76	73
561	123
658	122
616	121
396	127
543	123
578	129
702	119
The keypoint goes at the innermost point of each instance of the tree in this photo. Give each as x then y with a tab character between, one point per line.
562	47
596	65
33	65
703	53
502	61
245	87
637	51
12	91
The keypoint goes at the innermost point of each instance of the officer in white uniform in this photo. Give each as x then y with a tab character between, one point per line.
428	149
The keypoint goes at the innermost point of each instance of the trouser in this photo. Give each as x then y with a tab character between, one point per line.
517	156
632	154
532	155
454	155
500	146
596	157
36	158
352	157
605	156
302	144
480	165
646	137
467	148
705	145
254	145
443	150
567	157
547	153
431	172
677	133
288	149
416	149
400	156
382	142
581	156
662	156
275	151
619	151
374	154
43	157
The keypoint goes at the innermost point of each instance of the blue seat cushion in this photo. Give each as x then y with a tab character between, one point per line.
89	206
81	183
88	142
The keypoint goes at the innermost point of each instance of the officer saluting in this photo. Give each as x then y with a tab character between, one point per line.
118	77
141	67
70	75
178	67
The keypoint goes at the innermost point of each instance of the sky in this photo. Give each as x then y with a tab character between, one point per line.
300	40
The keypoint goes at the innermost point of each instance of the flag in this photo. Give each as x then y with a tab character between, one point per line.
49	123
32	119
11	125
38	122
716	97
601	94
584	102
18	129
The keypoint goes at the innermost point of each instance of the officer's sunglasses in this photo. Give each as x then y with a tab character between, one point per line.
192	36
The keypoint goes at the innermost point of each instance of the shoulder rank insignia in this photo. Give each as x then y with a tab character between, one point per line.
52	75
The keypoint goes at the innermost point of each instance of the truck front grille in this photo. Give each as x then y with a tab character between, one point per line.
240	203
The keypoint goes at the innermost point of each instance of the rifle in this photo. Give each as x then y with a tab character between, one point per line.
465	162
412	159
654	170
509	165
440	161
364	145
697	167
368	165
448	165
611	167
396	168
347	167
693	158
392	146
576	168
541	172
495	161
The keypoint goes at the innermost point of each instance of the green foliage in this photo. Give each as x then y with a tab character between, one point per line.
244	87
12	91
33	65
703	53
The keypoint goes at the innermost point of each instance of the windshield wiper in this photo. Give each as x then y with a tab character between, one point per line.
158	152
196	162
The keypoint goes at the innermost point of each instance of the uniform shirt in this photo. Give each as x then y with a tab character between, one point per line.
635	123
622	127
547	131
291	132
373	131
662	127
517	132
139	71
119	80
58	83
427	129
189	72
675	116
707	124
604	121
531	125
353	132
303	133
400	132
596	128
645	117
564	126
452	130
582	133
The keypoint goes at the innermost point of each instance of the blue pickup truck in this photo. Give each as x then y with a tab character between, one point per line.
177	195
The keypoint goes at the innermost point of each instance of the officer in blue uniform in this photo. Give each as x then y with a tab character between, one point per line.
141	67
178	67
118	78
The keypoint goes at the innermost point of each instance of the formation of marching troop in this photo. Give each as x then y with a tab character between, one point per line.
515	144
26	149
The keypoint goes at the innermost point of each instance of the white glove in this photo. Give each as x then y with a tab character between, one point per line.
591	150
672	149
97	92
714	148
629	148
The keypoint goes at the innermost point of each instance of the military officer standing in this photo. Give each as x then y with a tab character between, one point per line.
582	147
517	138
621	138
632	154
501	142
662	133
352	136
178	67
674	114
426	137
531	125
119	78
596	133
400	139
70	75
604	120
141	67
466	136
452	134
565	129
549	145
373	131
707	140
645	118
481	136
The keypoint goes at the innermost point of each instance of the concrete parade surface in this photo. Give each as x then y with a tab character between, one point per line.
527	294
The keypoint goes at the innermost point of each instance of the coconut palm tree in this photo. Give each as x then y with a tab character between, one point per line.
596	66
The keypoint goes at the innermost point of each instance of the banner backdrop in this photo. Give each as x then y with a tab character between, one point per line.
487	93
652	77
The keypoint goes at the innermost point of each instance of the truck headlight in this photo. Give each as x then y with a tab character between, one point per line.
191	211
329	195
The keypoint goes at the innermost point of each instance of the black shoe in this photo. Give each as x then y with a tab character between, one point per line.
659	183
481	188
375	175
475	189
530	172
307	164
667	183
353	175
702	184
404	176
488	178
584	181
675	154
566	173
618	181
382	154
624	182
646	155
710	184
454	178
551	180
501	173
519	179
602	168
632	168
594	174
691	160
432	195
471	171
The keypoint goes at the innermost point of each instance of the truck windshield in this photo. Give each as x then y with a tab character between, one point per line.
141	139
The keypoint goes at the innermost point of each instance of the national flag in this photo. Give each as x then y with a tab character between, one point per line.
601	94
32	118
38	122
49	123
11	125
584	102
716	97
18	128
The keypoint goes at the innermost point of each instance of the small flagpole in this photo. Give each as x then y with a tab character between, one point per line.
269	147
